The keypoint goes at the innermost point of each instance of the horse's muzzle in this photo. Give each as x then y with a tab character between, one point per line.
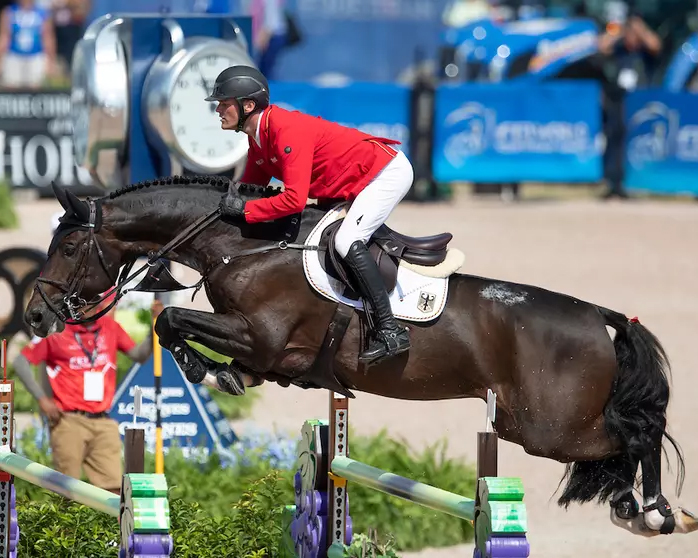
41	320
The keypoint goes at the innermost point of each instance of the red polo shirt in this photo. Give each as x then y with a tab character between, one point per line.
67	361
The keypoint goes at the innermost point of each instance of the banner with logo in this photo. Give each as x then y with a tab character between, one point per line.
36	140
191	419
662	141
379	109
510	132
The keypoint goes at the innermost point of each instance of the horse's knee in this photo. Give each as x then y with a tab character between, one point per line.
163	325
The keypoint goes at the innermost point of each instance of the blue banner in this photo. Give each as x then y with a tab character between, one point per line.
379	109
662	141
548	132
191	419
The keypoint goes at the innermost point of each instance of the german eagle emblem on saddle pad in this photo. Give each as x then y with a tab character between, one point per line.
415	270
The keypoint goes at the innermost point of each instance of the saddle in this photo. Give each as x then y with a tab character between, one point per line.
388	247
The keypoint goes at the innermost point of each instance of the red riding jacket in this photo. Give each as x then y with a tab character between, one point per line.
314	158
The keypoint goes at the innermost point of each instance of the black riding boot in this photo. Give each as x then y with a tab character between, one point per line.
389	338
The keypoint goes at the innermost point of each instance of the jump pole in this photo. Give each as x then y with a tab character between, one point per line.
320	523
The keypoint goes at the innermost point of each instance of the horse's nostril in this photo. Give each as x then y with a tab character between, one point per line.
36	317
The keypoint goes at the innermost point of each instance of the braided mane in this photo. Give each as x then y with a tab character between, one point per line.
217	182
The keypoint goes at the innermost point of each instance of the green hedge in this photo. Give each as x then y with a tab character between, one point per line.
240	506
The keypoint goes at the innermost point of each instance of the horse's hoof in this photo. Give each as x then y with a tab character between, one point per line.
230	382
659	516
626	507
686	522
193	369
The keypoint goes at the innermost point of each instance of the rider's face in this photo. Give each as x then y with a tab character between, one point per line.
228	111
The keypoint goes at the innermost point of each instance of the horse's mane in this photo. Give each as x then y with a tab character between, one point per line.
218	183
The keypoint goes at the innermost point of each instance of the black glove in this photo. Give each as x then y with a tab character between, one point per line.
232	205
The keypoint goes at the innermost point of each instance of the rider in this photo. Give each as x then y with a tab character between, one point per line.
322	160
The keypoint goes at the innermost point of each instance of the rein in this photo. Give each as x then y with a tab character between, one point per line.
75	306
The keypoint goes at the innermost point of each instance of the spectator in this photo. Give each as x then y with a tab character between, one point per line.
633	50
70	17
269	33
81	372
27	45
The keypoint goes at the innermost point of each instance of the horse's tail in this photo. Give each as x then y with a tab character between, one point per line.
635	415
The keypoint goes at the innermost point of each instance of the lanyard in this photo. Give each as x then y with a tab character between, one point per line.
93	355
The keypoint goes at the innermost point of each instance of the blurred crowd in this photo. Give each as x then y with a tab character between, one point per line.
37	38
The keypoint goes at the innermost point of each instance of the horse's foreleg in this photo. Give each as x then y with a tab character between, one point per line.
223	333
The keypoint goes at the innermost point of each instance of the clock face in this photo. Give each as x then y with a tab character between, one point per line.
196	126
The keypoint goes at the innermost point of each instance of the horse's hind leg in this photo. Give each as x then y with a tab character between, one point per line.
657	511
222	333
624	503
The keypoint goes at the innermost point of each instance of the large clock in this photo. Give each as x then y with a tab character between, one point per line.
177	117
100	100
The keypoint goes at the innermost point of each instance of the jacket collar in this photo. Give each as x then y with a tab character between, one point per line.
263	128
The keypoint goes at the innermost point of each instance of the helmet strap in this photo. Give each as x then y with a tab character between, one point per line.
243	117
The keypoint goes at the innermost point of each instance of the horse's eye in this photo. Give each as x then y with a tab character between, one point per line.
68	250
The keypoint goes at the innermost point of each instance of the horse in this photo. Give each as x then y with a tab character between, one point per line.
575	382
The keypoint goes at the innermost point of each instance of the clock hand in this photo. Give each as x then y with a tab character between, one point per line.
203	81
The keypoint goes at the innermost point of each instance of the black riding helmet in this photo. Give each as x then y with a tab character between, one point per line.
241	83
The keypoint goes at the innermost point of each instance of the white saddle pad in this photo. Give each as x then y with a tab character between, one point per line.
420	292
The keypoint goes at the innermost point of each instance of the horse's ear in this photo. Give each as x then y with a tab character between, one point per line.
80	208
61	195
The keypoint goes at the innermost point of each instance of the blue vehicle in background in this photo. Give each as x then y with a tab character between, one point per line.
682	71
535	49
496	40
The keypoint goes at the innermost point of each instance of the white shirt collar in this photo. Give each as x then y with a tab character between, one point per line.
256	135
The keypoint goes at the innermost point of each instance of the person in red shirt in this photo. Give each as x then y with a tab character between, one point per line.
81	372
319	159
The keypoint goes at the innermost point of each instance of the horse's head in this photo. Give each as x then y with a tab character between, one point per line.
81	264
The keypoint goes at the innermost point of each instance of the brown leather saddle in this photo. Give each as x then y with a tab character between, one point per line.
388	247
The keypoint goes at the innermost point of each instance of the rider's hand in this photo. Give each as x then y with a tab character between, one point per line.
50	409
232	205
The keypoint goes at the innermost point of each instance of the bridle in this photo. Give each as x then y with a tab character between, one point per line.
73	307
71	289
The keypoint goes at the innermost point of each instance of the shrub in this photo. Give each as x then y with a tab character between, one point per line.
8	215
242	496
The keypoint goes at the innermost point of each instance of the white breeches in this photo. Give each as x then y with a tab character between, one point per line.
375	203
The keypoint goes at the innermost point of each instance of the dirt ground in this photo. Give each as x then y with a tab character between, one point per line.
637	257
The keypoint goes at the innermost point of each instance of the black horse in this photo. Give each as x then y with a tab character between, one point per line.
565	389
